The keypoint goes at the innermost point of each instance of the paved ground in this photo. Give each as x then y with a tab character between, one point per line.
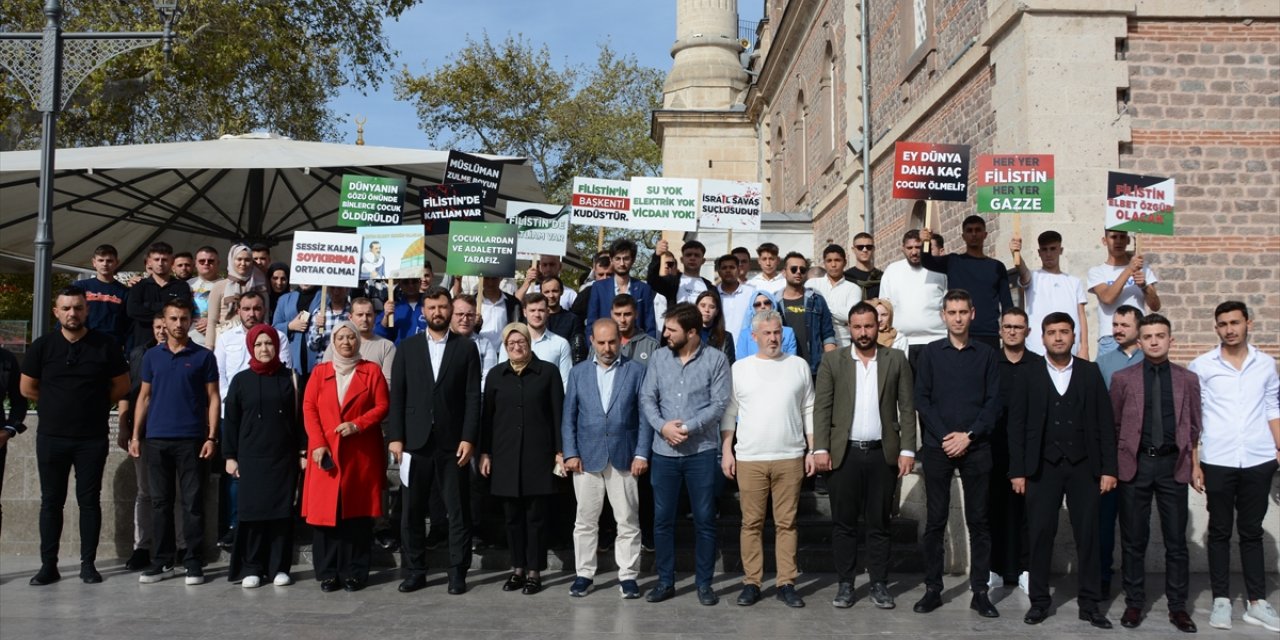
122	608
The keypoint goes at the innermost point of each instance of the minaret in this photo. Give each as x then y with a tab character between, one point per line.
706	73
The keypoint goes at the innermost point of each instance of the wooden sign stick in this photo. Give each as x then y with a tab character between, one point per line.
600	239
391	293
323	309
928	224
1017	231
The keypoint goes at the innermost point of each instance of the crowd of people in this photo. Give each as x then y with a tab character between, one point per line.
373	410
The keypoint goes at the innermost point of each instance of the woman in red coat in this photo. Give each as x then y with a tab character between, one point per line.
346	469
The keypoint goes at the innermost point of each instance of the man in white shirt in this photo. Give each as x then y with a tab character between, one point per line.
916	294
770	278
864	439
1238	455
771	413
1122	279
464	322
497	308
549	347
201	285
1049	290
840	293
735	296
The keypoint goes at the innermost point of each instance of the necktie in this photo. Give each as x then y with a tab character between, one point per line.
1157	410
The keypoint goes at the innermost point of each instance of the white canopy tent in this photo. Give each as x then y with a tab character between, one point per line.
256	187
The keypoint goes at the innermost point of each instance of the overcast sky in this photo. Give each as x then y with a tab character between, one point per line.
426	35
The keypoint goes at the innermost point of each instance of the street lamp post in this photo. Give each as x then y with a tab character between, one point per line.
38	61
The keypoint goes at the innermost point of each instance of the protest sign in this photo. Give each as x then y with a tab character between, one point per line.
1139	204
541	228
923	171
326	259
443	203
1015	183
665	204
370	200
392	252
464	167
730	204
482	249
601	203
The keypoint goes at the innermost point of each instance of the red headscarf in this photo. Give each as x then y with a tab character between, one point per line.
259	367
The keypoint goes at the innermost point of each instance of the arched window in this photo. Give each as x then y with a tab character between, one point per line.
802	148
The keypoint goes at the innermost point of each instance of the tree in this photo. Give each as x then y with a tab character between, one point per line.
238	66
510	98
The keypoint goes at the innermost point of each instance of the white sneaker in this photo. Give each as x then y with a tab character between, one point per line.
1024	582
282	580
994	581
1262	614
1220	617
251	582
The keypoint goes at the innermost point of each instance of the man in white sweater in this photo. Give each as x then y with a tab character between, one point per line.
771	412
916	294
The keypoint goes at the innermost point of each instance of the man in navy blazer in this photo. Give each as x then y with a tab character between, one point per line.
623	252
606	450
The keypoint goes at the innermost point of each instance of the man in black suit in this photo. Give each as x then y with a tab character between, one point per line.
435	421
1062	441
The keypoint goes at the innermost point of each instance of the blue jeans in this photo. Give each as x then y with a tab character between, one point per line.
697	472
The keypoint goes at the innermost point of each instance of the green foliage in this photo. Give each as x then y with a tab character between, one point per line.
238	66
15	293
511	98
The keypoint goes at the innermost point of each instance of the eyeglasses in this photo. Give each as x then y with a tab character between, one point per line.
464	315
864	247
206	261
511	344
1013	327
797	269
764	304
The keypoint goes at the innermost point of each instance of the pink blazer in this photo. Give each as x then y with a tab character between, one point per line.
1128	395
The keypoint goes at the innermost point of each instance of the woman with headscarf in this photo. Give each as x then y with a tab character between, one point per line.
277	283
345	403
763	301
888	337
713	330
520	449
265	447
242	276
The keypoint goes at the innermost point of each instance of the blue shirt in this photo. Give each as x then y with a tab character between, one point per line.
1112	361
179	405
695	392
408	322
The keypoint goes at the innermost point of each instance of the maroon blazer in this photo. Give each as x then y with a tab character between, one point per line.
1128	391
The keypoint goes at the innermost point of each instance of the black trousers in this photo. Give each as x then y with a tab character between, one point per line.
344	551
4	454
1108	513
1007	515
167	460
862	487
975	473
1154	479
527	531
1242	495
55	459
1045	491
262	548
430	467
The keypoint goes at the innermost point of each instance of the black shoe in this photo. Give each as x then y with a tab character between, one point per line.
787	594
932	600
1132	617
227	540
515	582
1036	615
457	583
1182	620
329	585
749	596
48	574
141	559
412	583
707	597
880	596
982	604
660	593
844	596
89	574
1096	618
531	586
386	541
352	585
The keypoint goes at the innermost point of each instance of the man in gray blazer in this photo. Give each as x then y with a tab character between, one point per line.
864	445
606	450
